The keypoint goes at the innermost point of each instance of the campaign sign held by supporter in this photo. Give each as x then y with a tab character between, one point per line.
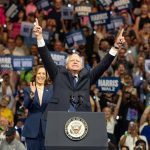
122	4
43	4
46	35
59	58
22	62
104	3
12	11
109	84
26	29
5	62
115	23
75	37
147	65
83	10
99	18
67	12
132	114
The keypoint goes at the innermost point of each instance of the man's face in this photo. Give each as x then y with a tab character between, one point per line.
58	4
141	146
10	138
104	45
58	46
5	101
11	44
74	63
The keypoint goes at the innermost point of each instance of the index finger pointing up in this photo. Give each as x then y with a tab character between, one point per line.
121	32
37	22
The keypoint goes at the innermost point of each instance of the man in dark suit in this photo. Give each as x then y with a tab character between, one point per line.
68	96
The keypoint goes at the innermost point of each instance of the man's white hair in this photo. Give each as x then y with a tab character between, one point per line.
81	58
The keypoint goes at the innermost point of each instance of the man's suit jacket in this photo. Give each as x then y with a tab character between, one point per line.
33	121
63	82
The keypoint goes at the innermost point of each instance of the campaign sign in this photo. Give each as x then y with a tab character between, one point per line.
59	58
83	10
16	27
26	29
12	11
147	65
46	35
43	4
115	23
5	62
132	114
99	18
122	4
75	37
67	13
109	84
105	3
22	63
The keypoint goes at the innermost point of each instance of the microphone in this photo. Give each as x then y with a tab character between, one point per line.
80	100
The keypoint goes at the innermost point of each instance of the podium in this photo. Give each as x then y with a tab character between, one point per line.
64	133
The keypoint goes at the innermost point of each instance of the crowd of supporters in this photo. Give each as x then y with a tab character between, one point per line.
127	112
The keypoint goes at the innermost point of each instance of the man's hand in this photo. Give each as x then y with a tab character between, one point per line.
120	40
37	30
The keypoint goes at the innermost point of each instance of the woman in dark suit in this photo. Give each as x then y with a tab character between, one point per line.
36	99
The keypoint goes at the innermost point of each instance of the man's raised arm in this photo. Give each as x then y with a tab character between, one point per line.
44	52
107	60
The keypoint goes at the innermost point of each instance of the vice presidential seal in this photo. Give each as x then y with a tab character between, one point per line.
76	128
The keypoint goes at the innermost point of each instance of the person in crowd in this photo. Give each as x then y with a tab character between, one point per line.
5	111
8	88
104	46
145	123
144	34
120	71
30	8
36	98
140	145
73	81
122	59
139	75
20	48
143	18
124	148
95	98
131	108
11	142
4	123
111	118
19	128
59	46
56	14
10	44
131	136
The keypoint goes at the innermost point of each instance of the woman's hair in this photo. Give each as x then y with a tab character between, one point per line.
125	147
34	73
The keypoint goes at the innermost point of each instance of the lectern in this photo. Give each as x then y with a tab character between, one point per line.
75	131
